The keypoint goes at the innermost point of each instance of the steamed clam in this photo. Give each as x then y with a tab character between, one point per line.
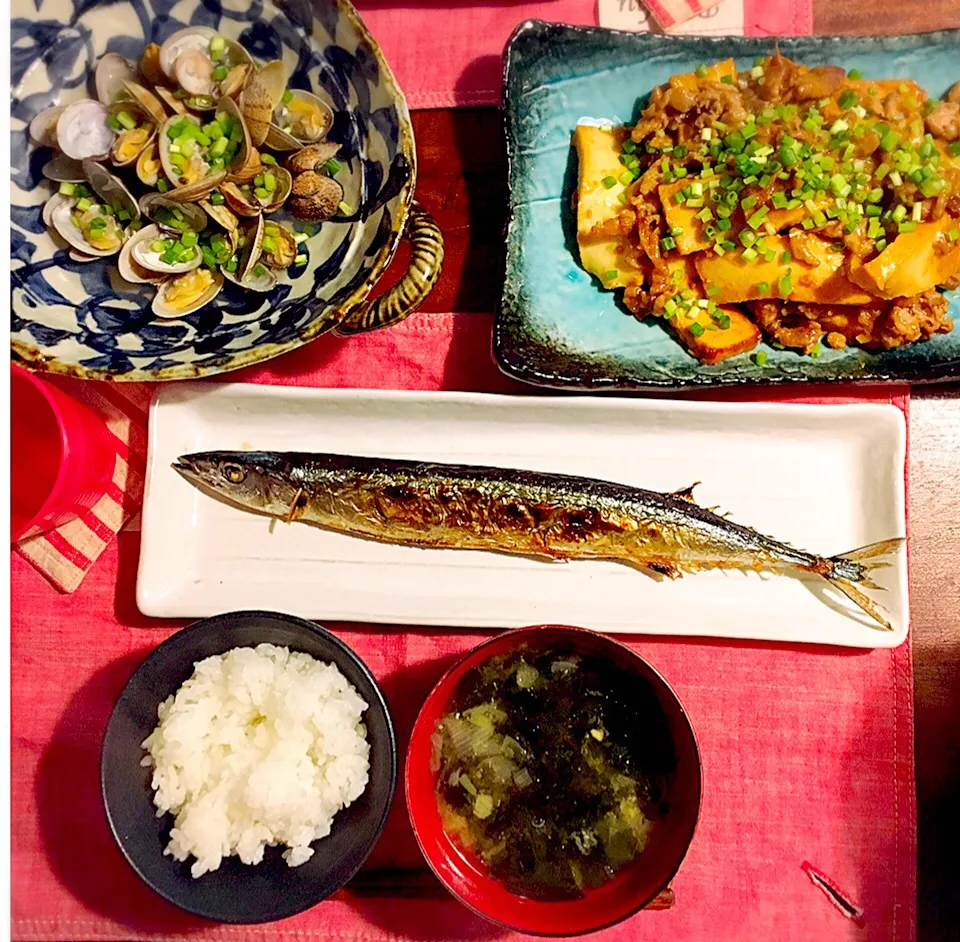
82	130
278	248
265	193
212	144
150	69
63	169
43	128
130	269
167	254
204	65
86	225
303	116
192	150
172	216
149	167
112	71
186	293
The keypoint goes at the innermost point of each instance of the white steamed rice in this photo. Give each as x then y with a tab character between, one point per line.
260	746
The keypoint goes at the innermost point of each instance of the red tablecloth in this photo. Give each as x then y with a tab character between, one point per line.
807	752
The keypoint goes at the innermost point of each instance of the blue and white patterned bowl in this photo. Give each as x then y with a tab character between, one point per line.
82	318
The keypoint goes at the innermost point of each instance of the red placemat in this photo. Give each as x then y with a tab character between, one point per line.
466	39
807	751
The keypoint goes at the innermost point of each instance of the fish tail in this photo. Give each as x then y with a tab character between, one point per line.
872	555
849	574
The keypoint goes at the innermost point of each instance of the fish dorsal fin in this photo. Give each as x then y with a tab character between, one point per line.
685	493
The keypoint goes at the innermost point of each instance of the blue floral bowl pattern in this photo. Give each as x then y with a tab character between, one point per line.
82	318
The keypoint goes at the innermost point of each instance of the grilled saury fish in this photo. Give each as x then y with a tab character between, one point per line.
530	513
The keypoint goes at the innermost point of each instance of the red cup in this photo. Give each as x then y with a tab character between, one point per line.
62	456
635	885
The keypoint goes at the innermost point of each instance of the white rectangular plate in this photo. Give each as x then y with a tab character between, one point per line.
824	478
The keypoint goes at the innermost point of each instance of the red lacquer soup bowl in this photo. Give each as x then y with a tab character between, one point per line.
638	882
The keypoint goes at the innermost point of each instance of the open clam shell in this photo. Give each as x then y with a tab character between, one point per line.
223	216
188	39
262	281
110	190
150	65
144	255
194	192
245	199
149	167
252	166
251	246
63	169
173	173
51	204
190	215
183	294
112	72
197	169
236	80
82	130
304	117
280	194
171	101
43	128
279	247
130	269
148	102
239	201
61	219
312	157
261	96
280	140
240	159
129	144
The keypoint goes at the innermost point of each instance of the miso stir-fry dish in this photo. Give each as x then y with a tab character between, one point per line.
553	769
173	172
803	206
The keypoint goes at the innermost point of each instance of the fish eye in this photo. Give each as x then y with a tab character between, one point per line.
234	473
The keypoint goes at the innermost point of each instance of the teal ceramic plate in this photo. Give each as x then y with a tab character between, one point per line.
556	327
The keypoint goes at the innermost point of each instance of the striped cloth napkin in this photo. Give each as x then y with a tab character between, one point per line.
65	555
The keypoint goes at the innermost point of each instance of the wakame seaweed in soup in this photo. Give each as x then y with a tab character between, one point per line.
553	769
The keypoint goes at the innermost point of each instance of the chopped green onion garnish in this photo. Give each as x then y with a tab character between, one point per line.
220	73
854	74
607	181
68	189
287	97
610	275
695	328
216	197
668	244
763	287
127	120
300	260
785	285
848	99
760	358
84	204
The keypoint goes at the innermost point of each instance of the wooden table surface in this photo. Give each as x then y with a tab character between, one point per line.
462	181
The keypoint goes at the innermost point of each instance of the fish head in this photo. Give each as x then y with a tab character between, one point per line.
255	480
